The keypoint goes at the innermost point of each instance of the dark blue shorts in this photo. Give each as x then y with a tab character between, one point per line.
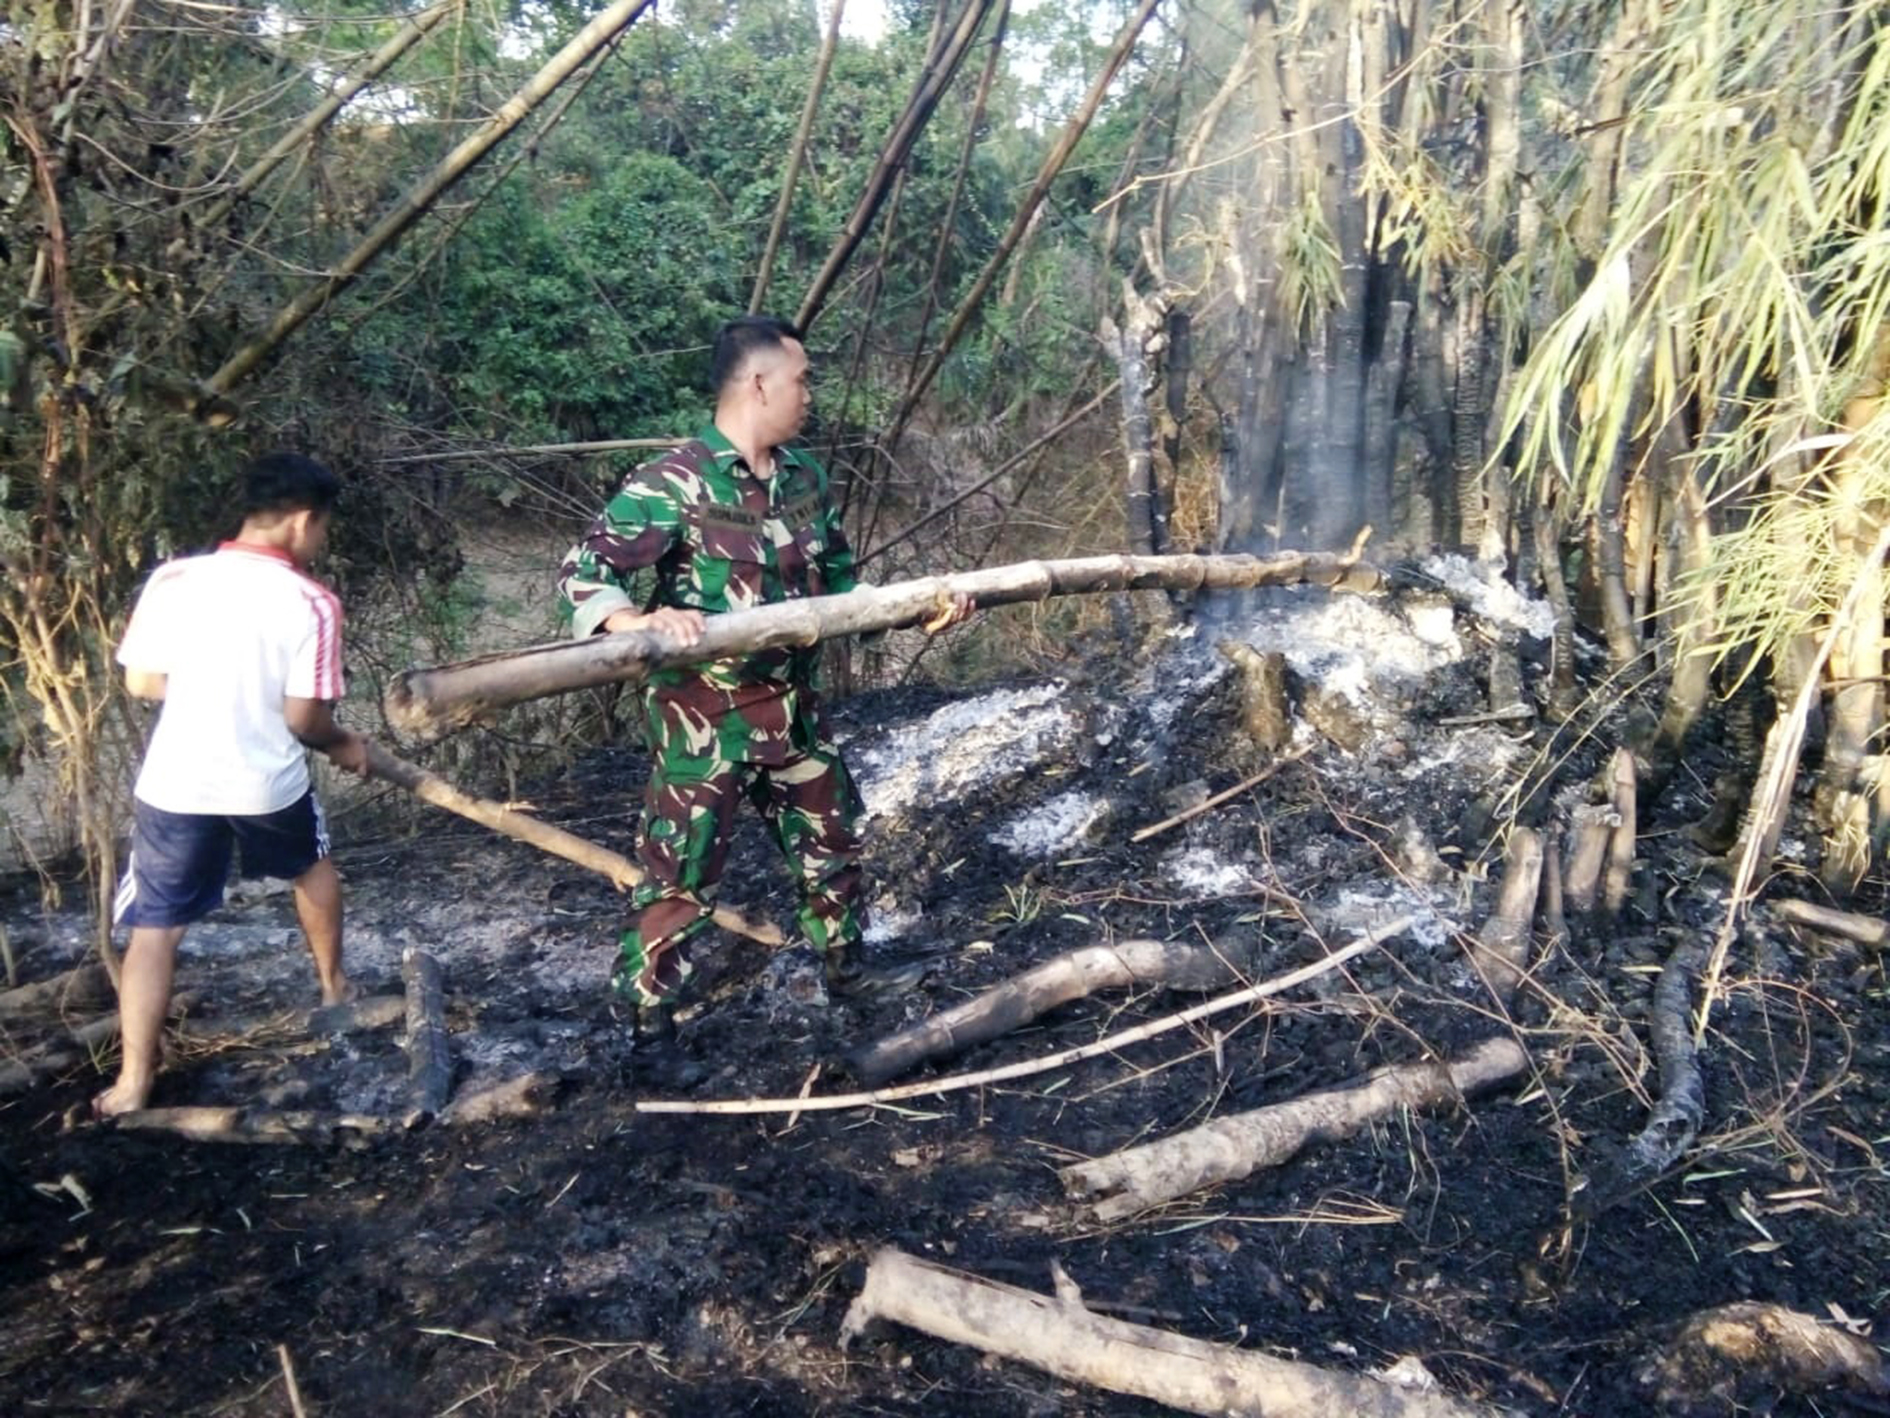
180	861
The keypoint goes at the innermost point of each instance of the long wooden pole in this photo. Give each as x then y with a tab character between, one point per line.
431	701
521	827
586	42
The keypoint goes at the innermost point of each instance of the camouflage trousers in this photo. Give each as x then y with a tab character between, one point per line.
813	811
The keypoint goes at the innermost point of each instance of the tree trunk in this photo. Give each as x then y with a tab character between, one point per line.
1843	799
1142	318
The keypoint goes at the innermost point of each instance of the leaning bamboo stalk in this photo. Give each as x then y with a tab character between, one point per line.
521	827
796	156
415	204
312	122
1060	1335
429	701
1073	975
941	67
1022	220
429	1047
1109	1045
1236	1146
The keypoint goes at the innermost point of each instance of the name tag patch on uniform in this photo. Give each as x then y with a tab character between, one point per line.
730	518
802	510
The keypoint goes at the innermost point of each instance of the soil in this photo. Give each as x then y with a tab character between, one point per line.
595	1260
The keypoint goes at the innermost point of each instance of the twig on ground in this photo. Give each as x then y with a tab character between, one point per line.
1223	796
289	1383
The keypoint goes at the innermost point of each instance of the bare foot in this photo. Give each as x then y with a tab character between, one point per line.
343	991
121	1097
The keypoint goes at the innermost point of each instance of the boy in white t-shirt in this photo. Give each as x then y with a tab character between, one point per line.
244	649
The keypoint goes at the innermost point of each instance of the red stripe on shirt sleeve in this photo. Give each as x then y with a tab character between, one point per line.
326	607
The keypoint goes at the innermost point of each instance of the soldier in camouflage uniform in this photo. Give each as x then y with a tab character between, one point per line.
731	519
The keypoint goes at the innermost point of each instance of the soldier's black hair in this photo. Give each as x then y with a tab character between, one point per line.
741	337
277	484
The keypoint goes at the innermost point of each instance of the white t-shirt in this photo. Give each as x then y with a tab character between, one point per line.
235	632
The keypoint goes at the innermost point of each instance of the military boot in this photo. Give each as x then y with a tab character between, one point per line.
850	977
657	1058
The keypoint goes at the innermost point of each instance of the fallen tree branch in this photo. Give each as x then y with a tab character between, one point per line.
252	1124
1676	1117
1865	930
80	1042
1037	991
1751	1345
959	1082
1058	1334
522	827
525	1096
1225	795
438	700
429	1050
1236	1146
86	984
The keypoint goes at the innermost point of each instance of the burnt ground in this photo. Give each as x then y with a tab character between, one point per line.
596	1260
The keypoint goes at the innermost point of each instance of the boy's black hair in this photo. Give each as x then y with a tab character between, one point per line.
277	484
741	337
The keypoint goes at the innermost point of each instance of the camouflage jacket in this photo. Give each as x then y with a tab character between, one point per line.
697	530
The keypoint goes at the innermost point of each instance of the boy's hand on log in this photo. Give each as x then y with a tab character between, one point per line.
349	753
952	610
682	627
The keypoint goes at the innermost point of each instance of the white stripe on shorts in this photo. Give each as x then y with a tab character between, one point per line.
127	889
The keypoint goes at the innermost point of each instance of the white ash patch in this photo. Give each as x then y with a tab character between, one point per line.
1354	913
1485	591
963	746
1207	874
1348	645
1178	680
888	921
1051	826
1488	753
